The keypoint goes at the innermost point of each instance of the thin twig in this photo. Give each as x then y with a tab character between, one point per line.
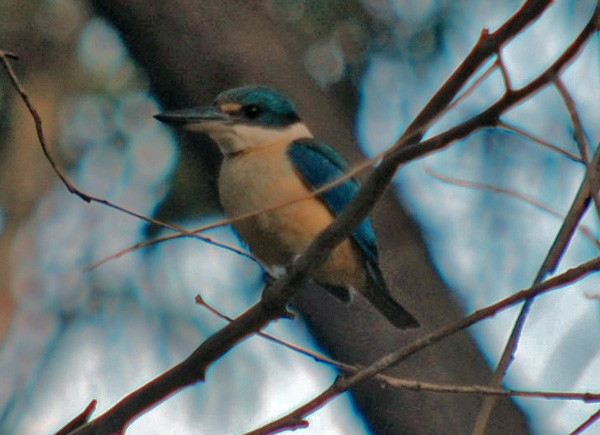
80	420
180	235
504	71
581	140
471	88
487	391
514	129
585	231
587	423
301	350
4	56
578	130
195	232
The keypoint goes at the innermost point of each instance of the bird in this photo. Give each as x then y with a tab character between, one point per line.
271	158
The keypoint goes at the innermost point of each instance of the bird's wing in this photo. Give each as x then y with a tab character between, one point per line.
317	165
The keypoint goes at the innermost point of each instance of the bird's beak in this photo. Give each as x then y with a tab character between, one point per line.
195	117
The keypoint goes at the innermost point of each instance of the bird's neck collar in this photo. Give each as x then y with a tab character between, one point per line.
243	139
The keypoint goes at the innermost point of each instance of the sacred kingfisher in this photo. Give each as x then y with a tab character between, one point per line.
270	159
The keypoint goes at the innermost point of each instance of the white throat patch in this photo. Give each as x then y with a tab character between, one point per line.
233	139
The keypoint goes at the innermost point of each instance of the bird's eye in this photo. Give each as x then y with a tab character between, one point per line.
252	111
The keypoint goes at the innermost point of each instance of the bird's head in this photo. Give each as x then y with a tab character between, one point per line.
243	118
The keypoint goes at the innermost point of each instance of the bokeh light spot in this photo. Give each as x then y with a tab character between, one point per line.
101	50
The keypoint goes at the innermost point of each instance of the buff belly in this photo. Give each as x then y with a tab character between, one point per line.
265	178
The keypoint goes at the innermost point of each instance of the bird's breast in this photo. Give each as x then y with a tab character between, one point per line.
263	179
259	182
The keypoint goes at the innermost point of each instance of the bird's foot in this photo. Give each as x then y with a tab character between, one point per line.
270	300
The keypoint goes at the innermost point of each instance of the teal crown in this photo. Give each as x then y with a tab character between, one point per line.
260	105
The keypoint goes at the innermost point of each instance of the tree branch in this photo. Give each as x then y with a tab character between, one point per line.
343	384
563	237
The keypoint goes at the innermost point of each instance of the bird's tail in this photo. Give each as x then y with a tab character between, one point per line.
378	294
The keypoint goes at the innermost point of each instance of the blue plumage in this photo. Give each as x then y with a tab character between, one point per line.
318	164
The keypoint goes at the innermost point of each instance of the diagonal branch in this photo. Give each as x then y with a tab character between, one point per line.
414	385
587	423
592	174
489	44
343	384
